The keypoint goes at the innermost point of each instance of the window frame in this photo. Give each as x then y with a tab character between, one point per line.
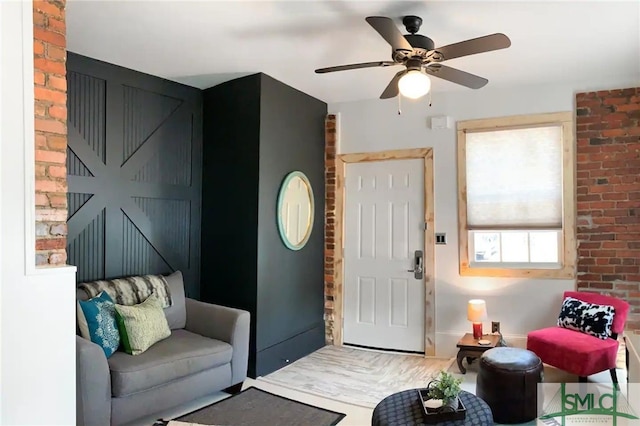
568	247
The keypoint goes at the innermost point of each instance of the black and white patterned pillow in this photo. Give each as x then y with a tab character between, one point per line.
586	317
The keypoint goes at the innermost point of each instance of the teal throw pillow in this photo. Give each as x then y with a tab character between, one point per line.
100	316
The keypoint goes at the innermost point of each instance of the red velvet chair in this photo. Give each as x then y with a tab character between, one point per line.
580	353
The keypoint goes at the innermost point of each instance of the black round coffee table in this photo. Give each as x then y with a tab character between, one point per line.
405	409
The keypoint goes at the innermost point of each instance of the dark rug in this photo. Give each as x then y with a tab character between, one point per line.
253	407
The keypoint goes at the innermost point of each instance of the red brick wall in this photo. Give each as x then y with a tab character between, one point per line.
608	190
49	50
329	221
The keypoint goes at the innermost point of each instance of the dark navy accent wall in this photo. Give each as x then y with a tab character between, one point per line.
134	173
291	138
256	131
230	192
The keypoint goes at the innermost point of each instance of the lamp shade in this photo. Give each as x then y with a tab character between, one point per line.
477	310
414	84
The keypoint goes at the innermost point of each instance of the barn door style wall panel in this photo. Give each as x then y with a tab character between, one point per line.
134	171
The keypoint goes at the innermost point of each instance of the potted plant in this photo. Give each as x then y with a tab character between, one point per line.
446	388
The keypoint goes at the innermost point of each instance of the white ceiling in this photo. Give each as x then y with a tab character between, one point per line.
203	43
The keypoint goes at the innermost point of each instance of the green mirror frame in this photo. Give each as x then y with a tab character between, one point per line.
282	203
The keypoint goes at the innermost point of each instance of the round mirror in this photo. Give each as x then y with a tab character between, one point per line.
295	210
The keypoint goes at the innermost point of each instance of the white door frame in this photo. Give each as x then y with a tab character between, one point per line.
429	233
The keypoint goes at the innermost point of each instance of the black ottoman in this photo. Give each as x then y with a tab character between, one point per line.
508	381
405	409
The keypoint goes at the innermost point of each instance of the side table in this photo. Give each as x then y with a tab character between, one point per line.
471	349
405	409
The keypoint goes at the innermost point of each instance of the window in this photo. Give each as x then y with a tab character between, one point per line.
516	196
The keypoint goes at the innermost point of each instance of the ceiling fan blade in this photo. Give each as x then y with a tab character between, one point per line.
392	88
473	46
356	66
388	30
456	76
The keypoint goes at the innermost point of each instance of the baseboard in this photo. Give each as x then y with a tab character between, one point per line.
288	351
446	342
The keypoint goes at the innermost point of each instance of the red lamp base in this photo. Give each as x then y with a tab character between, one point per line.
477	330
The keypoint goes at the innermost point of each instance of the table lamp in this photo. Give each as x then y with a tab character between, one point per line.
476	313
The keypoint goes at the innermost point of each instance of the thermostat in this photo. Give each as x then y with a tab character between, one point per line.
440	122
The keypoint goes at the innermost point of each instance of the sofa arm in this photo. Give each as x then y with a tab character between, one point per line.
93	384
227	324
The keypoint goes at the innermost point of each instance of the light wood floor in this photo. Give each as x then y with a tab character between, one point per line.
357	376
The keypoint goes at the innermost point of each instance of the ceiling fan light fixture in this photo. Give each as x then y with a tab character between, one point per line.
414	84
414	51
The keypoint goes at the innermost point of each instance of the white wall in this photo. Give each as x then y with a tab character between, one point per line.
37	385
1	168
374	125
633	395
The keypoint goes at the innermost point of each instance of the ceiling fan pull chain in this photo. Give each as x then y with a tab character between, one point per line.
399	104
429	97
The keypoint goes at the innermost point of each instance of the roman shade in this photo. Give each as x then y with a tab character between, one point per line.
514	178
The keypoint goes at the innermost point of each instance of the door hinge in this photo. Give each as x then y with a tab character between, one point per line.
425	226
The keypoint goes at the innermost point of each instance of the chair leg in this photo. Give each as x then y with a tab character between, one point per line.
614	378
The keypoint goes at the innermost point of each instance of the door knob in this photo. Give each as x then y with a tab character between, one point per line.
418	268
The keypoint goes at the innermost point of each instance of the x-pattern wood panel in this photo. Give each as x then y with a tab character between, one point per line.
113	185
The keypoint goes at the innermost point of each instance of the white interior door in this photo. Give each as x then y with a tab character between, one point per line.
384	220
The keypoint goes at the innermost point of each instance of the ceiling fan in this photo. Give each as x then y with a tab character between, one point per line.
419	57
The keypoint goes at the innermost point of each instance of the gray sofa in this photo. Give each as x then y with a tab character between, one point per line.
207	352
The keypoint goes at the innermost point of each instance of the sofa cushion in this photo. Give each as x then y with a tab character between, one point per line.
176	313
181	354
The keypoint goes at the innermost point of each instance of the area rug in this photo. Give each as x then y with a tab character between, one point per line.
255	407
356	376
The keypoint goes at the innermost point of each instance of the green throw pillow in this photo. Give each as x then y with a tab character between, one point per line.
142	325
